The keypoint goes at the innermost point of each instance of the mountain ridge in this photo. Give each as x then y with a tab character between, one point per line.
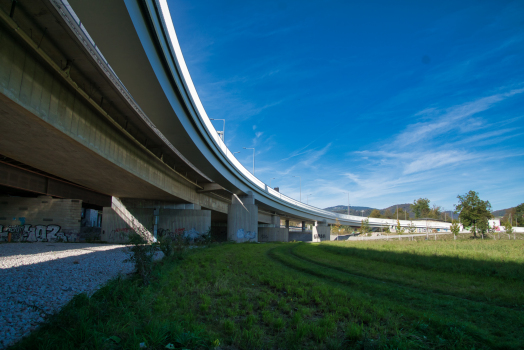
357	210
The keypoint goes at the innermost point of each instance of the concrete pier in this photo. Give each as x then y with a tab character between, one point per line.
321	232
242	219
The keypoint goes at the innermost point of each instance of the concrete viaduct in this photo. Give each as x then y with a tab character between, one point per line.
98	113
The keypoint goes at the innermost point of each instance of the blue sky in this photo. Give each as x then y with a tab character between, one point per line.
389	101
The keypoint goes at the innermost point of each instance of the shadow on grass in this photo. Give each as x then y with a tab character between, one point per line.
488	268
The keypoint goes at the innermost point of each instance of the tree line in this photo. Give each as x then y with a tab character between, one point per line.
420	208
473	213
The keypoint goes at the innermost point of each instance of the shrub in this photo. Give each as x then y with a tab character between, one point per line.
141	255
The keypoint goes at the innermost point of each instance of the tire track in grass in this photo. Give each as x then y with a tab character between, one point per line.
399	284
448	309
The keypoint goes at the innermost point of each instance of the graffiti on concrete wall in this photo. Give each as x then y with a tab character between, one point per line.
249	235
30	233
319	236
119	234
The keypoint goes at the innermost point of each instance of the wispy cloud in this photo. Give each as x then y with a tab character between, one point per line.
456	117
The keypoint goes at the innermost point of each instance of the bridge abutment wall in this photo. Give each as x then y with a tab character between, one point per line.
41	219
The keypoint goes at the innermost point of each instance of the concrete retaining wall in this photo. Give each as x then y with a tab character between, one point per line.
42	219
184	220
119	221
299	236
273	234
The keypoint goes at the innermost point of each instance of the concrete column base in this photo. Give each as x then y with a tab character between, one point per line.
321	232
242	220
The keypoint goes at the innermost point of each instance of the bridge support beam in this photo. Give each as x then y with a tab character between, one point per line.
242	219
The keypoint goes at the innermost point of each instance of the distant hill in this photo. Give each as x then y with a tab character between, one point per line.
356	210
500	212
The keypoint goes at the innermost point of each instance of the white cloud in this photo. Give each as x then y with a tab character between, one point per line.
456	117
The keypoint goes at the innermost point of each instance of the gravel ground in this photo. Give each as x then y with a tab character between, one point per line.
48	275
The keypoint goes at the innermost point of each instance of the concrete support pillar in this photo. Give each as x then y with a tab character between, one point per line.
287	224
119	221
275	220
242	219
303	226
321	232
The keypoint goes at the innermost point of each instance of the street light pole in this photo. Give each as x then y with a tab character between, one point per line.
348	203
300	186
362	213
222	134
253	158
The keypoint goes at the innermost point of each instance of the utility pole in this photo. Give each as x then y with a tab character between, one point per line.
397	212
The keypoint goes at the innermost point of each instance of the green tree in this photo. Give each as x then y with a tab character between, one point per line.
364	227
509	215
401	214
519	215
435	212
508	227
388	214
336	227
455	228
375	213
473	212
399	229
420	208
412	228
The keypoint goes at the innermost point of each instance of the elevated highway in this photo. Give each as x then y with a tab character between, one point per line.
142	131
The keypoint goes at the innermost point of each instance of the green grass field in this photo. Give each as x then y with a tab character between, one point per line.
335	295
